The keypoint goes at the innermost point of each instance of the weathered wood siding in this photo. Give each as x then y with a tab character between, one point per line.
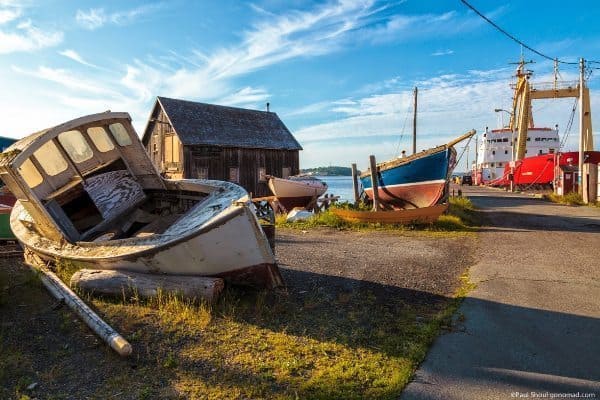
164	147
216	162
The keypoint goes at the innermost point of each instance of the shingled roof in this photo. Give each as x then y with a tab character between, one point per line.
214	125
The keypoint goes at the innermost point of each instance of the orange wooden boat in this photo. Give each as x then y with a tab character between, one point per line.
413	215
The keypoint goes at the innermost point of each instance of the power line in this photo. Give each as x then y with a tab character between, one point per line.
517	40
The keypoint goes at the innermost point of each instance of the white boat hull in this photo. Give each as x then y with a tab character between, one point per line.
296	193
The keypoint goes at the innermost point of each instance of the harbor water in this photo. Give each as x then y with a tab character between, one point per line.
339	186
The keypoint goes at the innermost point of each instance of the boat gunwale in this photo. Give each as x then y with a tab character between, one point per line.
161	241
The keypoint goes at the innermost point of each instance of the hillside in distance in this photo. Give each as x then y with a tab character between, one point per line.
328	171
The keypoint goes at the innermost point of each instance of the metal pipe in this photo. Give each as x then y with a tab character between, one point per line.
63	293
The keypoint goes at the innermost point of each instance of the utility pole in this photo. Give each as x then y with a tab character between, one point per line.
581	181
475	178
416	91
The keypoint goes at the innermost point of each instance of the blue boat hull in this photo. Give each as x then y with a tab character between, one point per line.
417	183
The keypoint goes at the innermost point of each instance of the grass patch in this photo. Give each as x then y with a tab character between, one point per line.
461	217
572	199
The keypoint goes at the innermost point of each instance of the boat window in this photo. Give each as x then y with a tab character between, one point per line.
50	159
30	174
75	146
120	134
100	138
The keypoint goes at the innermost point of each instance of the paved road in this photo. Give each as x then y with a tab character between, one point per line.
533	322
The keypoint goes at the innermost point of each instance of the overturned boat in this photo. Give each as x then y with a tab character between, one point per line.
88	194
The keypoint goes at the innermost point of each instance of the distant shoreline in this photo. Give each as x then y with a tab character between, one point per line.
328	171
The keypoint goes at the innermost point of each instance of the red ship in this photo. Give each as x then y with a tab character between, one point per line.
544	170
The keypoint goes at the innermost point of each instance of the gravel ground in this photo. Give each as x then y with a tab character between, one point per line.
427	265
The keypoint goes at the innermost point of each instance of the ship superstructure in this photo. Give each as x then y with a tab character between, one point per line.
495	150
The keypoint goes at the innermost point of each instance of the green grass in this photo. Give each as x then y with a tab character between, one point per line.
573	199
461	217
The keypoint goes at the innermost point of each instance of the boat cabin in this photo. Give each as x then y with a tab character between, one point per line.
90	179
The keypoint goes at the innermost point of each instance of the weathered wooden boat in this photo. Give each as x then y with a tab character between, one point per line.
296	191
408	216
88	194
415	181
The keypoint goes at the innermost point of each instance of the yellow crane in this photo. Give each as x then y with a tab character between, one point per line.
521	118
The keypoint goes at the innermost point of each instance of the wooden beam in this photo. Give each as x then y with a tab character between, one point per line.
554	94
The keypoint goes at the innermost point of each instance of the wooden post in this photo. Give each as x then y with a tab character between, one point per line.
355	183
374	182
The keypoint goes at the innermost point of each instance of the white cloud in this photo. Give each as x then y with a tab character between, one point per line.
247	96
27	37
91	19
95	18
73	55
446	52
68	80
7	15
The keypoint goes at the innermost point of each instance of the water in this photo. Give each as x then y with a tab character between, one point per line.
339	186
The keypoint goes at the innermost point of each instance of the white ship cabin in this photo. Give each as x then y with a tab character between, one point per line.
496	146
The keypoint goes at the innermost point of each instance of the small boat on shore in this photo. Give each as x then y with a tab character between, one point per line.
415	181
88	194
423	215
296	191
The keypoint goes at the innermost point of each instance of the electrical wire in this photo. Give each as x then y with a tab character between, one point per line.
520	41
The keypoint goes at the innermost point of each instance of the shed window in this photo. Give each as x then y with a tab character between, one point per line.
285	172
262	174
120	134
202	173
75	146
30	174
100	138
50	159
234	174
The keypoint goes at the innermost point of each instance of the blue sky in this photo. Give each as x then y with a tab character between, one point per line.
339	73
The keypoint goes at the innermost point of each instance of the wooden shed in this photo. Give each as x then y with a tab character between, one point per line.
187	139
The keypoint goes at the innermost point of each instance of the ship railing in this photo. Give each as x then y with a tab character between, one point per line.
551	85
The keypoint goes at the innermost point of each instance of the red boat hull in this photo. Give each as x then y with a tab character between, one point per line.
411	195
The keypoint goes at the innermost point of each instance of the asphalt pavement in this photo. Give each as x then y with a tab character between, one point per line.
531	327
